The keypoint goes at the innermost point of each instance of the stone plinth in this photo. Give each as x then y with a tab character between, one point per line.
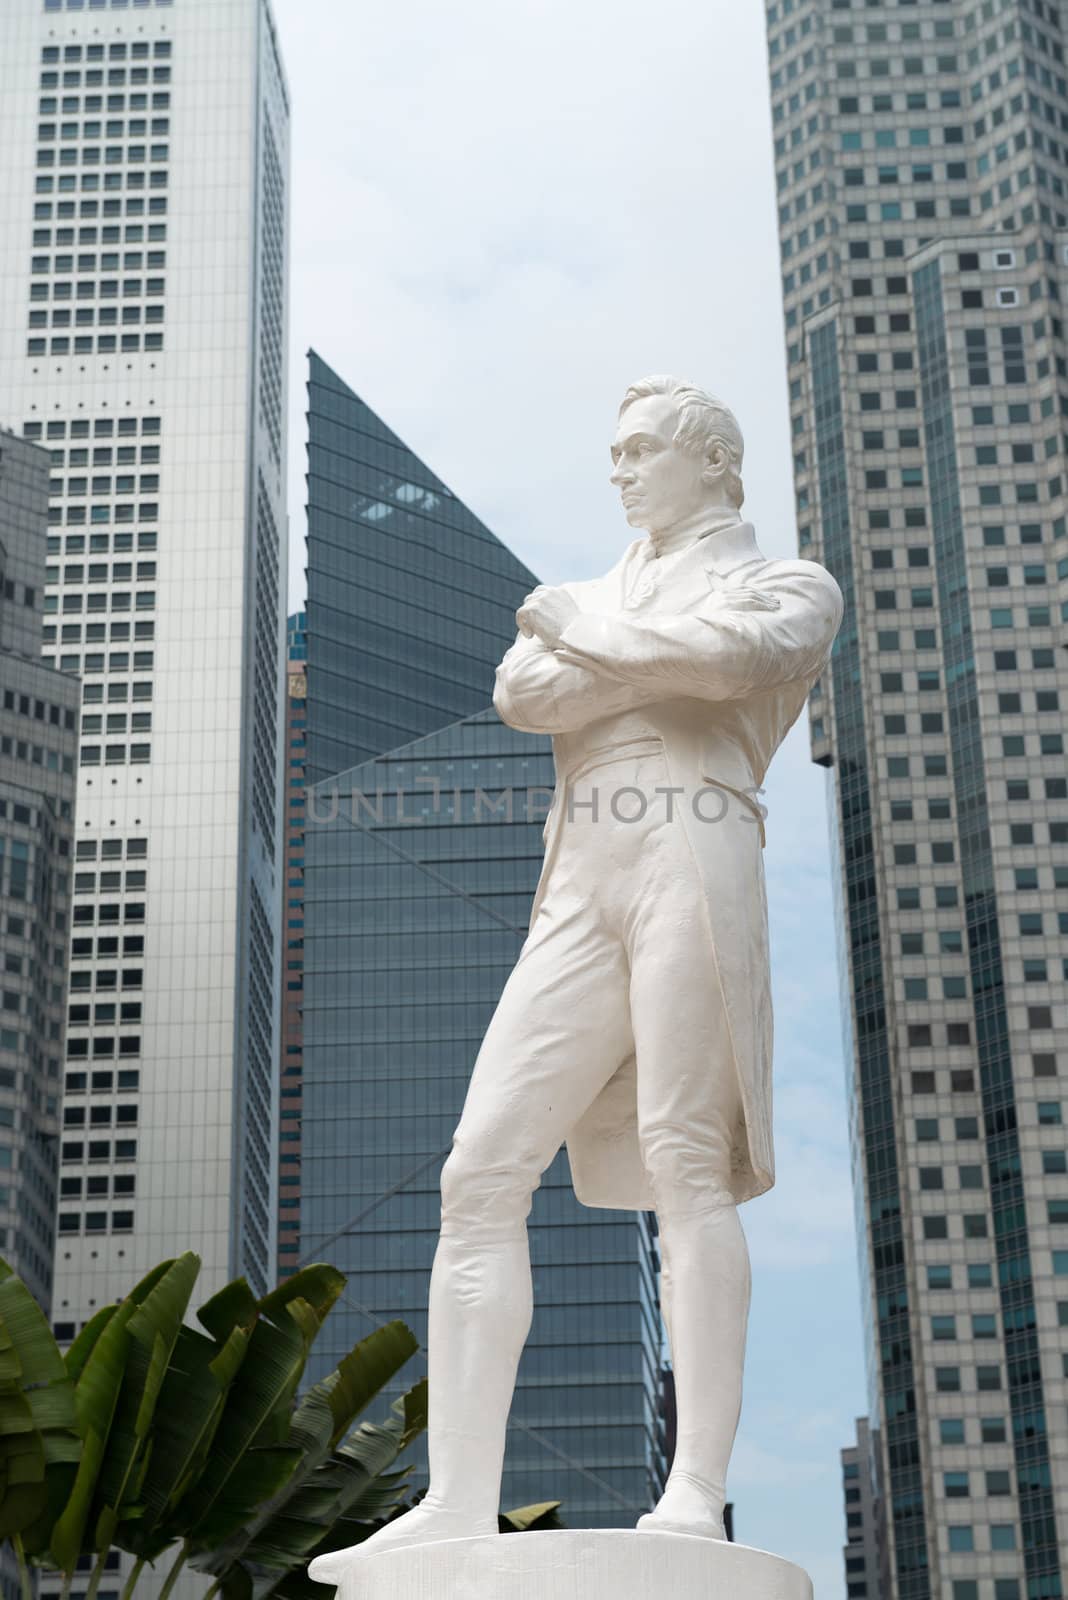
597	1564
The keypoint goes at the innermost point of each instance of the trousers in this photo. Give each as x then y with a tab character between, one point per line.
617	963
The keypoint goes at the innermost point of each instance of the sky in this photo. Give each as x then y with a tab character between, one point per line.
501	216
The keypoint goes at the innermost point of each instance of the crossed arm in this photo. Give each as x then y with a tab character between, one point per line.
741	642
539	690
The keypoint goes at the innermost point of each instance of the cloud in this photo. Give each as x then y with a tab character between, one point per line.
502	217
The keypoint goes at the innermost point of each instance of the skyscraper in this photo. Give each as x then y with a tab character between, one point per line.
421	863
291	1054
38	745
411	599
923	205
863	1573
143	184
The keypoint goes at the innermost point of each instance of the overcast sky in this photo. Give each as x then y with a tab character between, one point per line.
502	215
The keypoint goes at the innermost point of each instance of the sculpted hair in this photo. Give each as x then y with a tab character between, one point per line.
704	422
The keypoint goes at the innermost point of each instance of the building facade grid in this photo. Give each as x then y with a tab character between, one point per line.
143	348
921	158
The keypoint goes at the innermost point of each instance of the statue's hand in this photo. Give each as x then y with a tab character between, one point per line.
741	596
545	614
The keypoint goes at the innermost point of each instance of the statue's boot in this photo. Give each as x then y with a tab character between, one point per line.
480	1312
705	1288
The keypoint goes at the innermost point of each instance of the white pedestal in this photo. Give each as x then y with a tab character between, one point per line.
590	1564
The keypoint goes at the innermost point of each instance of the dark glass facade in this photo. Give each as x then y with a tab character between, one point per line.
289	1061
423	846
411	600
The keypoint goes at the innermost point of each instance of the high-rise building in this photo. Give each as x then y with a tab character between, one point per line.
143	185
863	1572
411	599
922	174
38	747
291	1054
423	855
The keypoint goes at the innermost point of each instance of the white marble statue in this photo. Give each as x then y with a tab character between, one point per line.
636	1025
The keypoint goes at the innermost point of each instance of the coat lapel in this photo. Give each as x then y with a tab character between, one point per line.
719	562
703	565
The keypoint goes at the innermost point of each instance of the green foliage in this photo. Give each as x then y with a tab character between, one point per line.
336	1497
150	1434
37	1418
251	1460
155	1438
96	1395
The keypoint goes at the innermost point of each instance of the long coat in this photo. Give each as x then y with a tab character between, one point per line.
719	664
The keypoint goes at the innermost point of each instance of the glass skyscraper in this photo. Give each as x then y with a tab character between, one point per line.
291	1034
421	866
922	173
411	599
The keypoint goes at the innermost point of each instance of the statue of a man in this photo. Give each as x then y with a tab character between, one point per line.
636	1024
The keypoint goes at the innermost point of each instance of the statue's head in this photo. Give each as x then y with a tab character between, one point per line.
676	452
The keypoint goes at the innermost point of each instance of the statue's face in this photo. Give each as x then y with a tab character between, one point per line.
660	485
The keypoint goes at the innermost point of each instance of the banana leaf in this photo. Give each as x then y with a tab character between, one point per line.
234	1482
226	1400
322	1418
316	1289
326	1413
108	1362
188	1413
235	1306
34	1355
96	1395
375	1503
59	1480
337	1504
79	1352
152	1331
319	1284
150	1432
37	1418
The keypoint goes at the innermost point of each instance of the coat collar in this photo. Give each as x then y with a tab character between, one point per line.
701	525
685	575
731	548
719	553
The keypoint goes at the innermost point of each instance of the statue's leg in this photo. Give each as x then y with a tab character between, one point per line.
689	1118
705	1296
560	1031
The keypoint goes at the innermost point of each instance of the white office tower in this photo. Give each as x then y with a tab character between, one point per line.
143	190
